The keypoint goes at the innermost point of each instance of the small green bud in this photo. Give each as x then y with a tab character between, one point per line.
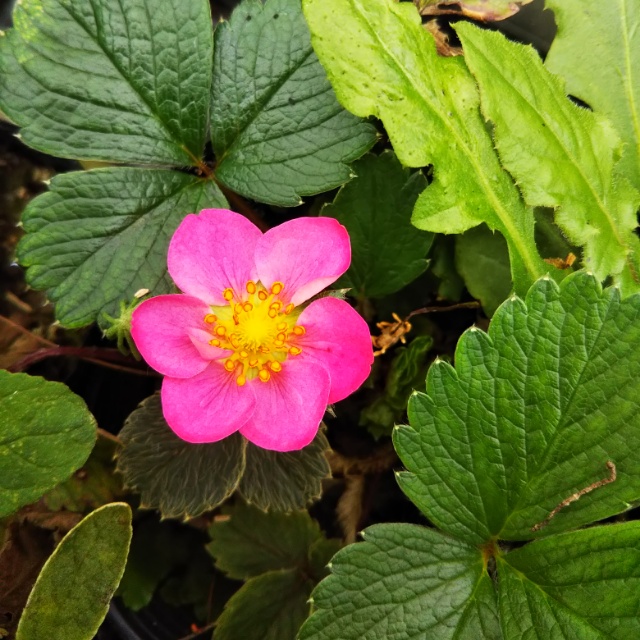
119	328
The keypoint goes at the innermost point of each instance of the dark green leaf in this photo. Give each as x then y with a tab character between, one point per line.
482	259
178	478
397	583
277	128
388	252
272	606
247	542
47	433
285	481
320	553
92	486
530	416
71	596
582	585
102	80
99	236
406	374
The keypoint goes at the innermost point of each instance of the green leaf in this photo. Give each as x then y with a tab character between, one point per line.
277	129
406	374
530	417
603	74
396	584
482	259
72	593
180	479
582	585
285	481
247	542
272	606
382	62
560	154
47	433
92	486
388	252
102	80
99	236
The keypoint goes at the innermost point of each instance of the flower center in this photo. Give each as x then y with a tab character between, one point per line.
259	328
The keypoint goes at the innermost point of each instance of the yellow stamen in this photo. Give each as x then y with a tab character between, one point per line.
227	294
210	318
247	306
241	380
275	366
277	305
282	337
279	343
272	313
251	287
254	362
229	365
244	355
277	288
264	375
299	330
262	295
238	308
214	343
289	308
282	326
295	351
221	330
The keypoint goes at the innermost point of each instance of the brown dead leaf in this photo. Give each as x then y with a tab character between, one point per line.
444	48
485	10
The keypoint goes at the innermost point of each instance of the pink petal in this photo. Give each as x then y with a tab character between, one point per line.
212	251
208	407
161	328
306	255
338	338
289	407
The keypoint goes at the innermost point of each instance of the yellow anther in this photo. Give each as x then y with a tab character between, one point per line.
251	287
277	305
295	351
262	295
247	306
289	308
278	343
264	349
276	288
275	366
272	313
299	330
229	365
210	318
264	375
282	326
220	330
282	337
244	355
238	308
254	362
233	339
241	380
214	342
227	294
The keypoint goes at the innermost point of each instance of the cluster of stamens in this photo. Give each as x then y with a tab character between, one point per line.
259	328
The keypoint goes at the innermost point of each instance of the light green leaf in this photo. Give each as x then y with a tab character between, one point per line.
285	481
388	252
582	585
560	154
382	62
103	80
277	129
247	541
477	9
597	52
395	585
180	479
482	259
99	236
71	596
47	433
272	606
530	416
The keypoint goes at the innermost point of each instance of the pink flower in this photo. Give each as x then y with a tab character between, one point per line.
239	349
